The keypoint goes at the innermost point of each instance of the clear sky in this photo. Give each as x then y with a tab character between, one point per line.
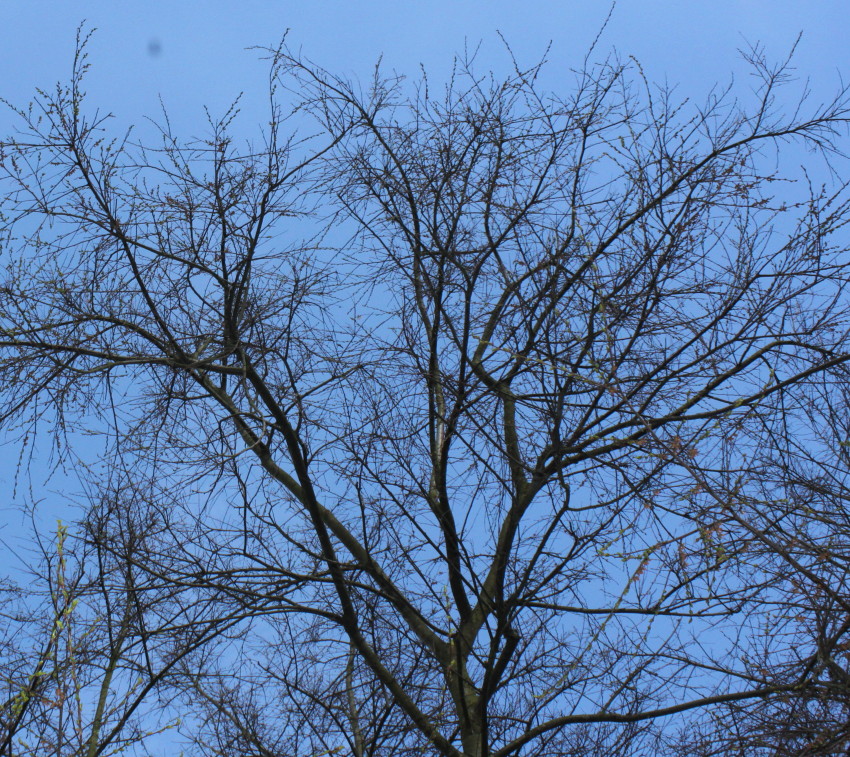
193	53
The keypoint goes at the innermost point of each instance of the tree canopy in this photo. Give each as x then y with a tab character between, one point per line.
471	419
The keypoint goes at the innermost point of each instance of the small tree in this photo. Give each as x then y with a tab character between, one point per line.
474	423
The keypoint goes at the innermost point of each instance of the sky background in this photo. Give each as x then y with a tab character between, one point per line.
192	53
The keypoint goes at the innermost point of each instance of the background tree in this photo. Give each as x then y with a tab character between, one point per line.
478	422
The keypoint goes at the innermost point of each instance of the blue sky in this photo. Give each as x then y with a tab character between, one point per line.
194	53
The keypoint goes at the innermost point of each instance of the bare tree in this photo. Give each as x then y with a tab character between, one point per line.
478	422
91	644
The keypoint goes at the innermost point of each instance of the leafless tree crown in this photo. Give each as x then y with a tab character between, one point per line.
471	420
